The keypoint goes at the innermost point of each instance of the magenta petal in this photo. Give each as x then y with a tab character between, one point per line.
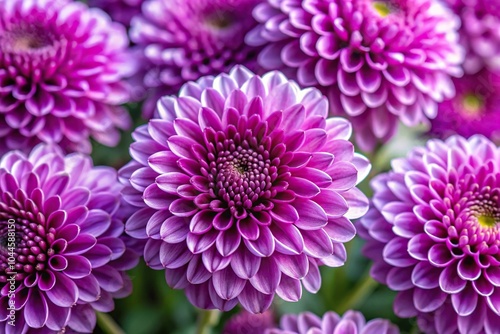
36	310
264	245
450	282
254	301
64	293
267	278
294	266
289	289
244	263
227	284
465	301
429	300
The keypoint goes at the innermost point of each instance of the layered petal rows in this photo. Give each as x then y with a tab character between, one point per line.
377	61
183	40
69	253
61	72
352	322
244	189
434	235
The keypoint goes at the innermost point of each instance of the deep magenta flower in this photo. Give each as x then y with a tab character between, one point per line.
377	61
61	71
352	322
120	10
244	189
184	40
474	110
248	323
63	251
434	235
479	33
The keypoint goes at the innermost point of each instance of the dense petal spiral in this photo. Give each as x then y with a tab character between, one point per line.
244	188
434	235
352	322
61	71
120	10
63	253
479	33
378	61
183	40
474	110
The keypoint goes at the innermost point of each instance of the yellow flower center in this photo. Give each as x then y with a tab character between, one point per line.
381	8
486	221
472	104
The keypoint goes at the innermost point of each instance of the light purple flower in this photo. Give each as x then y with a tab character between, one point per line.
352	322
434	235
377	61
61	71
70	253
120	10
479	33
244	189
474	110
184	40
248	323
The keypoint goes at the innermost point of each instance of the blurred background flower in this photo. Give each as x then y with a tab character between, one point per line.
61	72
70	251
183	40
474	110
121	11
378	61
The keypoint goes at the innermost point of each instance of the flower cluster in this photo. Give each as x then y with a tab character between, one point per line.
244	188
378	61
69	252
61	72
434	235
352	322
183	40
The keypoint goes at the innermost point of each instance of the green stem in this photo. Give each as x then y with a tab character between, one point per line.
107	324
360	292
207	320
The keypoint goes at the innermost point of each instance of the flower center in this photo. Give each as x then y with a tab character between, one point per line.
472	104
382	8
486	221
25	242
220	20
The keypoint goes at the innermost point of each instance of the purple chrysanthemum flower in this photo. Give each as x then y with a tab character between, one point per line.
434	235
120	10
474	110
184	40
244	189
248	323
62	248
479	33
352	322
61	66
378	61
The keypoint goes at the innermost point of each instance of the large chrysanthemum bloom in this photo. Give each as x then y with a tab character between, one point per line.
62	249
434	235
378	61
474	110
120	10
244	189
479	33
61	71
249	323
184	40
352	322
